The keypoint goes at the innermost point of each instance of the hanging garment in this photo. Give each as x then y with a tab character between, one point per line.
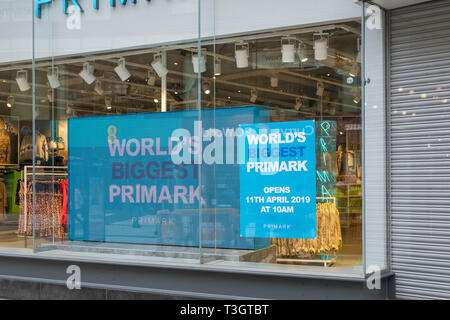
41	147
17	199
328	239
14	147
350	163
47	218
64	209
5	147
340	161
3	199
25	221
26	148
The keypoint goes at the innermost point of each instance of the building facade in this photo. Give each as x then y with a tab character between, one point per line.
223	149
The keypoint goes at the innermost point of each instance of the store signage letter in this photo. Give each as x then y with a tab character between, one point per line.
95	3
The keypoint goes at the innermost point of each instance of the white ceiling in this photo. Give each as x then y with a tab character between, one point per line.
393	4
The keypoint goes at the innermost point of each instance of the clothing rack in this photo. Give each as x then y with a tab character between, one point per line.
327	260
40	171
330	260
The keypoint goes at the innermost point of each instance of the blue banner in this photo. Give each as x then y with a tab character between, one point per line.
141	178
278	180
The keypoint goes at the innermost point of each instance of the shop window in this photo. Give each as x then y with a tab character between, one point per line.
106	180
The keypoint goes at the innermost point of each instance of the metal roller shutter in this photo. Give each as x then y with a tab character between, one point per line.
420	150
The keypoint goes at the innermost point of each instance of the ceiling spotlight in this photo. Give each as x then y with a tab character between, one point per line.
206	87
218	67
98	88
301	51
87	73
108	103
253	96
22	80
320	89
122	70
53	77
242	53
195	62
288	50
321	46
10	101
274	81
158	65
151	78
298	103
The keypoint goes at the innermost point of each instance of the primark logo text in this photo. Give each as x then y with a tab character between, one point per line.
95	4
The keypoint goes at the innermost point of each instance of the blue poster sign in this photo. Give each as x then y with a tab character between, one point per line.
141	178
278	180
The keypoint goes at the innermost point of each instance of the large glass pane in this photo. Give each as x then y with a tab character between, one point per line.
376	230
283	147
109	121
15	118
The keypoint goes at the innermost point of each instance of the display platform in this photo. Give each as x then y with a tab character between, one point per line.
267	255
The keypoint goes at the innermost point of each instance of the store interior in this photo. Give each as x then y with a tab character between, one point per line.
298	74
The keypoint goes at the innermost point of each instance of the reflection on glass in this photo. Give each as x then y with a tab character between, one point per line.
120	149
